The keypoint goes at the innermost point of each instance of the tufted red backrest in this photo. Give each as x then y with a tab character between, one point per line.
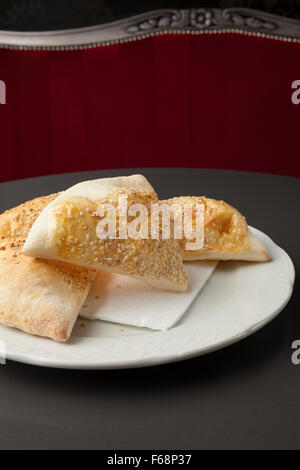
211	100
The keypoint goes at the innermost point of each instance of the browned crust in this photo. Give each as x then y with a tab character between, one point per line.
75	239
40	297
226	233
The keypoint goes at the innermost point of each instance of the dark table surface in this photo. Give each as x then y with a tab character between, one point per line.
243	396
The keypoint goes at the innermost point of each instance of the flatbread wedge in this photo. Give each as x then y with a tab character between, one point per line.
226	233
37	296
67	230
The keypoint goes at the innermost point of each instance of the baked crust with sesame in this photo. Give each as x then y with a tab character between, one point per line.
67	231
226	233
40	297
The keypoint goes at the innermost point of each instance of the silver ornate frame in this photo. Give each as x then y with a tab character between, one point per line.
156	22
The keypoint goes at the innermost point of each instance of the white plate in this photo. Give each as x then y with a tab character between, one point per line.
238	299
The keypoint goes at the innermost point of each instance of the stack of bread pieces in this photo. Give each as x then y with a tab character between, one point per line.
50	252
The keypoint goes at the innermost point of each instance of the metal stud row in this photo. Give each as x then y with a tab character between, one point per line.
152	34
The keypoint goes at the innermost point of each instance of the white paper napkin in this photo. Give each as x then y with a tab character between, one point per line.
120	299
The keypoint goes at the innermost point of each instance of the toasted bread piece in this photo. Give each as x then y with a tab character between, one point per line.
66	230
226	233
38	296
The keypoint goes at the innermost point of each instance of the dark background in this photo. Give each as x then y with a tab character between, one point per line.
57	14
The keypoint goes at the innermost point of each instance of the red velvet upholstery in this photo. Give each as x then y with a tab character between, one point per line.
214	101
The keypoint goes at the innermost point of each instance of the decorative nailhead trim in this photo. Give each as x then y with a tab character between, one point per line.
152	34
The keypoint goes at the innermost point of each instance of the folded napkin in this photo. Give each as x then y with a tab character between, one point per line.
120	299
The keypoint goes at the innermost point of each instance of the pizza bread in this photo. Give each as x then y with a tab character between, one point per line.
67	230
38	296
226	233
